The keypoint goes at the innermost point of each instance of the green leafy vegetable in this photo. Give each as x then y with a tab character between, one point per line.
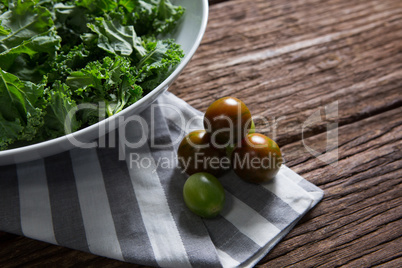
20	120
4	31
55	56
58	103
112	81
30	32
162	56
116	38
98	6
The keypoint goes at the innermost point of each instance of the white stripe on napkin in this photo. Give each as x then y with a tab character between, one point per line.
291	174
287	190
159	223
96	214
226	260
35	210
248	221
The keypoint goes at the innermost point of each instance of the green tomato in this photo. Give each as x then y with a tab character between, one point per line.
204	194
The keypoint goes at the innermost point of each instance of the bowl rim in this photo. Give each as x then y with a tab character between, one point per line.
105	122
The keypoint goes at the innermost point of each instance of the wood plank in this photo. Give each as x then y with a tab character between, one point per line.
386	251
358	222
346	51
393	263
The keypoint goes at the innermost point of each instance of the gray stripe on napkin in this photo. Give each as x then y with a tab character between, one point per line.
94	204
192	230
176	133
36	214
260	199
181	113
158	219
227	238
9	200
130	229
66	212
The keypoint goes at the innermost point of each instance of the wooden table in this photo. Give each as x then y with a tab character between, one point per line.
316	73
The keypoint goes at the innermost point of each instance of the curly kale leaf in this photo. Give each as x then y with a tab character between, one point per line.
20	120
4	30
31	40
167	17
60	118
3	6
67	62
116	38
71	23
111	81
98	6
161	59
152	17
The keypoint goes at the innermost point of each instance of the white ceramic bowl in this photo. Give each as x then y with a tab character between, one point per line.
188	35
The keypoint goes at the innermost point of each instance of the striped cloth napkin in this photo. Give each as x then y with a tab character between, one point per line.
124	200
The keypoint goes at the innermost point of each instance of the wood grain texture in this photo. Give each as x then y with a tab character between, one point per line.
287	60
355	58
358	222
